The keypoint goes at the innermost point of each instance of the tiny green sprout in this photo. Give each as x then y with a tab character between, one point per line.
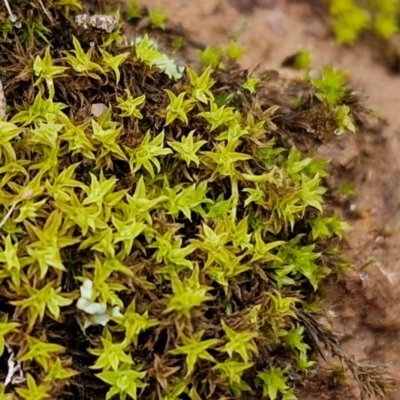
12	169
223	160
347	188
176	391
168	65
40	110
303	60
35	30
251	84
4	395
274	382
45	252
195	349
140	204
6	328
113	62
178	107
7	27
46	134
84	217
98	190
201	85
133	11
296	164
232	371
330	87
133	323
111	356
341	115
47	71
124	382
311	193
69	4
8	131
58	372
186	200
33	391
126	232
106	291
11	263
327	226
239	342
130	105
219	116
41	352
234	50
145	155
234	133
210	56
295	339
63	181
281	306
213	242
255	196
32	189
219	208
262	250
30	210
187	294
77	139
81	61
146	50
171	253
42	300
113	38
107	138
187	148
158	18
304	258
178	42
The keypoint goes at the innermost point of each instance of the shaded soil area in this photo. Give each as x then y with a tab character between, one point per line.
366	304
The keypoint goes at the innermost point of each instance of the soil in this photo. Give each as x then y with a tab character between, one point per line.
365	304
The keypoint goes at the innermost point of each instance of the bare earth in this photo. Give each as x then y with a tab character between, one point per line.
366	304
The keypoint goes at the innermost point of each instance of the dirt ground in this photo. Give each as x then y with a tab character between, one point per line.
366	304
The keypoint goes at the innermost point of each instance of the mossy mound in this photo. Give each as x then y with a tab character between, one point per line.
163	238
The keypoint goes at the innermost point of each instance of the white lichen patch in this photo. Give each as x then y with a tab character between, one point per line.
105	23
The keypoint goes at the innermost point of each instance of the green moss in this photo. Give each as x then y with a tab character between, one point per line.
186	237
351	18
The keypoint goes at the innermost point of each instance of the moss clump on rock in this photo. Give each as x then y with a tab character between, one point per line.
161	238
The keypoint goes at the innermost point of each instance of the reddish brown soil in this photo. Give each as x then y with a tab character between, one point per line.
366	303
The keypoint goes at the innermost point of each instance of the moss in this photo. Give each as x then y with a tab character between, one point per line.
166	235
352	18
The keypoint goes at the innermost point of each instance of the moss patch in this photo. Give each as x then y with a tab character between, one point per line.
162	237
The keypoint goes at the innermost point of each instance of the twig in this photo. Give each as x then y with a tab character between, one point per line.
15	374
8	215
13	17
3	104
46	11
